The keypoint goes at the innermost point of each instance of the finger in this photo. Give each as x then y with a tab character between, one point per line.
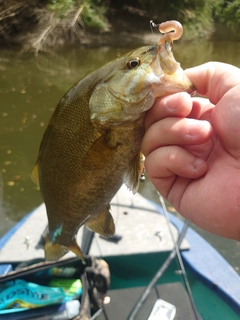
174	160
226	119
214	79
175	131
163	166
201	109
203	150
178	105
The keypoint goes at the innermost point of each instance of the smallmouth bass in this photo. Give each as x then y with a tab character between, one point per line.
92	143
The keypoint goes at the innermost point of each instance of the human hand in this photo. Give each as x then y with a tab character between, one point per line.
192	149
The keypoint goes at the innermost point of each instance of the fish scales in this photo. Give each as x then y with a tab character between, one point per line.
92	143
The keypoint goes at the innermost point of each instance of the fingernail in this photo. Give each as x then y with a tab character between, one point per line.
175	101
198	164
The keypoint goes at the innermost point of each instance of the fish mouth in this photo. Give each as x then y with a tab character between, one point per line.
192	91
172	78
169	84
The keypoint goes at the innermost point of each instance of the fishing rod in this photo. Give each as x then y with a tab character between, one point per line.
179	257
175	252
40	266
158	274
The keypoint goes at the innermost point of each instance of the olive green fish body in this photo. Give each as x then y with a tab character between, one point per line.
92	143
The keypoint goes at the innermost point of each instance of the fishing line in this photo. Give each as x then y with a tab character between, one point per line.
39	266
96	314
179	257
99	312
153	25
159	273
118	209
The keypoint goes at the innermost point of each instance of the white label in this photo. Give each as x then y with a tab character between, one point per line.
162	310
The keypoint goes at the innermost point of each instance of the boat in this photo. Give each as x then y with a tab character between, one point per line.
160	267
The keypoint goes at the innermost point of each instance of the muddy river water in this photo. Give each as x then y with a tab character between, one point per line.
30	88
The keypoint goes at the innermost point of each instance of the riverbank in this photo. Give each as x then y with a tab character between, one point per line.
39	25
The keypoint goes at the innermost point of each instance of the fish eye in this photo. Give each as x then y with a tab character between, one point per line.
134	63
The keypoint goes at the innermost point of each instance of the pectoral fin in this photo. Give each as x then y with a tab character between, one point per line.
54	251
134	172
102	223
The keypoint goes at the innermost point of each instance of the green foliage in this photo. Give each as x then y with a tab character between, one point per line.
42	23
61	7
228	12
92	12
197	16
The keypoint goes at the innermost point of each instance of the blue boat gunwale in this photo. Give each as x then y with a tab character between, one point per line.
5	238
215	271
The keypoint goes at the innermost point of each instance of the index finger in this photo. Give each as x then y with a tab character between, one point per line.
214	79
174	105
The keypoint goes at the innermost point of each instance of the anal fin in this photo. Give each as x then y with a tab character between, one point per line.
54	251
102	223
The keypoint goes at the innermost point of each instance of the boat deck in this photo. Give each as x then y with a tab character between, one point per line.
123	301
131	213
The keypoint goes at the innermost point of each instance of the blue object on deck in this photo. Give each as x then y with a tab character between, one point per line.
63	311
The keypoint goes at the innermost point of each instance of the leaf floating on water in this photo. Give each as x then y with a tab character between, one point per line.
11	183
8	151
24	120
7	163
42	124
4	114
